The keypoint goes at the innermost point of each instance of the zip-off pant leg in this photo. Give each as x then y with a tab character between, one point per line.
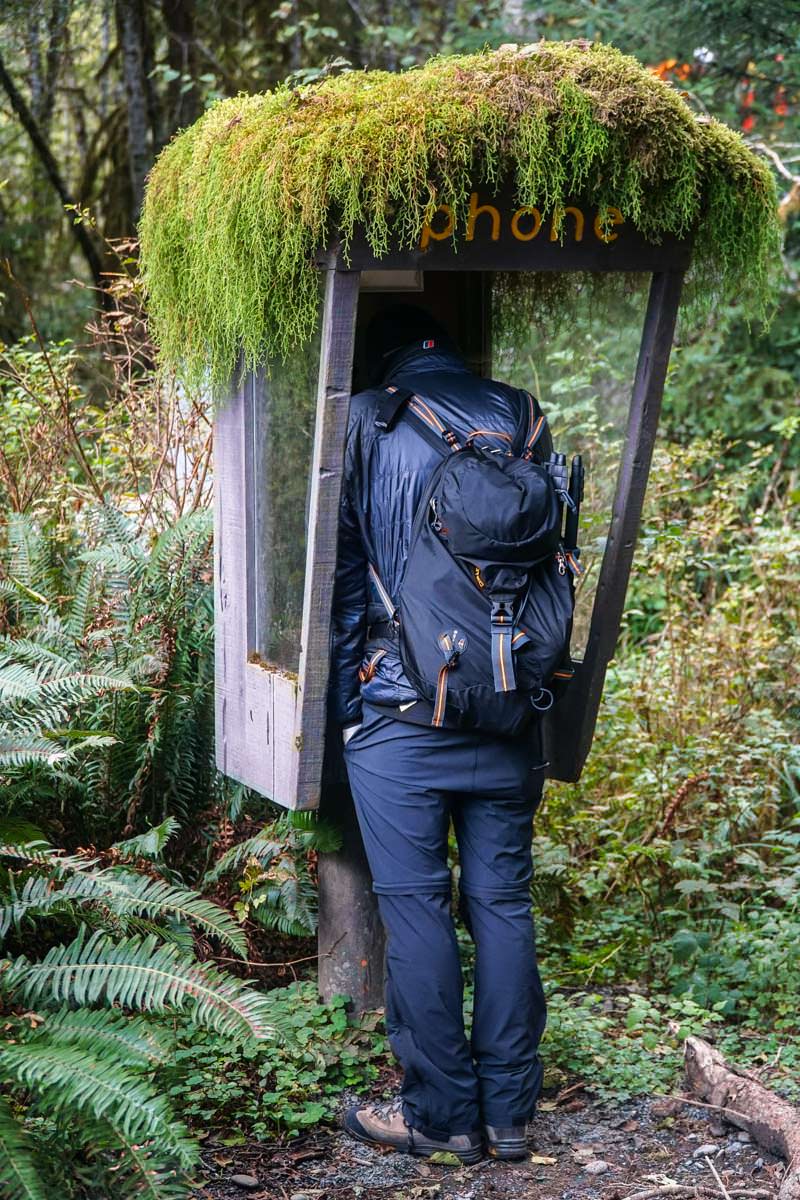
407	781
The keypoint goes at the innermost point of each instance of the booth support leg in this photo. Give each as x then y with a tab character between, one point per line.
350	938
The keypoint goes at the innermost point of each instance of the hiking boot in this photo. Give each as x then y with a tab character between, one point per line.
384	1125
506	1141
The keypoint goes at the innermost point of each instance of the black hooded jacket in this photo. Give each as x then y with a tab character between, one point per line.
384	476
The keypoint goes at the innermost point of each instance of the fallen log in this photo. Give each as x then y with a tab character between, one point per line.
743	1101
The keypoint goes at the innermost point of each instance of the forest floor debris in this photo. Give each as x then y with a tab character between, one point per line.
648	1148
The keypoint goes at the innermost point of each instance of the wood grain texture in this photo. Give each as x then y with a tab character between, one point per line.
330	430
740	1098
570	728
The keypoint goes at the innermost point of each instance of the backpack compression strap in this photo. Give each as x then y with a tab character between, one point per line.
537	423
395	402
502	638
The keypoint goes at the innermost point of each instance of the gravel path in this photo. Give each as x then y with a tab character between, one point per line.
579	1149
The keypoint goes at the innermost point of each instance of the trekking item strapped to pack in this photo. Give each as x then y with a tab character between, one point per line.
484	610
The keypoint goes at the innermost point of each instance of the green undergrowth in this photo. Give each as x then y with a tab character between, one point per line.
283	1087
620	1043
238	203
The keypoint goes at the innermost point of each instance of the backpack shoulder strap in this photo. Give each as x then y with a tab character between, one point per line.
390	402
396	403
535	427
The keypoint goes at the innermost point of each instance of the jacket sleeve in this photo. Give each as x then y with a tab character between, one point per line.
348	619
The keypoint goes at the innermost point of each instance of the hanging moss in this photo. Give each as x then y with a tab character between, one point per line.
238	203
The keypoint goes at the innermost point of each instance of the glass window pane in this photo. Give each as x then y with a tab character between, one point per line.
284	405
581	369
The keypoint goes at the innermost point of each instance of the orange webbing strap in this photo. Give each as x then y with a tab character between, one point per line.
536	427
502	620
366	673
441	696
423	411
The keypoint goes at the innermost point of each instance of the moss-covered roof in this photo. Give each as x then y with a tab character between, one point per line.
238	203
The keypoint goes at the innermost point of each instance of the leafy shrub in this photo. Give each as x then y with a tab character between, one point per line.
622	1046
286	1086
686	816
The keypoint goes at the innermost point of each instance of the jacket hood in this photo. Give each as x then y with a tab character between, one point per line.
433	354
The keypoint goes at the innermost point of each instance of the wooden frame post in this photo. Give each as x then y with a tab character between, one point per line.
350	935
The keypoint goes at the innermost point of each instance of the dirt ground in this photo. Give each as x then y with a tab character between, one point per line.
579	1149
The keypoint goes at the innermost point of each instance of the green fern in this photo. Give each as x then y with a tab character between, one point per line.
262	848
122	892
87	1062
106	674
75	1079
135	1039
140	974
276	888
150	844
41	854
139	1170
19	1175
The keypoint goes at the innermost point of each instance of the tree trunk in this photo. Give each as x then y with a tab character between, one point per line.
47	159
183	104
772	1121
139	149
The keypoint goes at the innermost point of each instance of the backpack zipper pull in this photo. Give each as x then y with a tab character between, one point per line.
561	559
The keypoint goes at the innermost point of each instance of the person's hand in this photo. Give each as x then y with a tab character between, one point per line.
348	732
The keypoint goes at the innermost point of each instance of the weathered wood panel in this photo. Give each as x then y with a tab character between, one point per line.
570	729
333	401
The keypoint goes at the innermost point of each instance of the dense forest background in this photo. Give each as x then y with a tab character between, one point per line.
667	880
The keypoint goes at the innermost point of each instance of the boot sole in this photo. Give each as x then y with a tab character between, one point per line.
467	1157
507	1151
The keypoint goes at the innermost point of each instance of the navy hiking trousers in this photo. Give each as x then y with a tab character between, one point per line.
408	782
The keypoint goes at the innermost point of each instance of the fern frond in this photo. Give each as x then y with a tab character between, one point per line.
84	685
26	750
42	853
69	1079
140	974
34	652
19	1177
262	847
141	1172
132	1039
288	905
150	844
155	898
30	852
125	893
17	682
313	832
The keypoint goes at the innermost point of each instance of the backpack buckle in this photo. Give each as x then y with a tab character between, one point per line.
452	644
502	612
